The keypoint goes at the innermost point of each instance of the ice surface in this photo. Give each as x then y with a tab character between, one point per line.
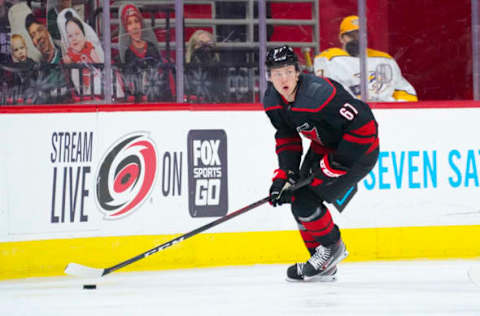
371	288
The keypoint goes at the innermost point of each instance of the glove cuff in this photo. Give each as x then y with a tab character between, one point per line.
328	170
279	174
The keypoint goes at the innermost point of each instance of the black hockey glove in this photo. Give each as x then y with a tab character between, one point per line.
326	172
279	192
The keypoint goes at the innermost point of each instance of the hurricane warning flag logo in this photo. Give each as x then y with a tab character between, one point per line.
126	175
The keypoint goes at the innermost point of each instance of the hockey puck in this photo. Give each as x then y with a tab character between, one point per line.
89	286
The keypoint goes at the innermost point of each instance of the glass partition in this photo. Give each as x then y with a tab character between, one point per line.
429	47
476	49
39	63
72	52
143	51
221	51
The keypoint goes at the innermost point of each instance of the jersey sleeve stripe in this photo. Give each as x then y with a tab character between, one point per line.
275	107
373	146
359	140
296	148
369	129
290	140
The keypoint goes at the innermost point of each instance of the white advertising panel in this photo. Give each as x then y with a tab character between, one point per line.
70	175
50	160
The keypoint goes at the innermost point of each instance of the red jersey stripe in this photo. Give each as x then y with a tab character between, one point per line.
330	97
359	140
368	129
297	148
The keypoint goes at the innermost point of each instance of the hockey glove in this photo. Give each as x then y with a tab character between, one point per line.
279	190
327	171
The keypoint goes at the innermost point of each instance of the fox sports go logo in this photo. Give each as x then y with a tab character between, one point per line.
126	175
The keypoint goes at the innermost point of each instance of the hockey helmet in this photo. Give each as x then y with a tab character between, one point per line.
281	56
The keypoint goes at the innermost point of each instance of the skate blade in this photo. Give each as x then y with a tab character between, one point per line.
294	280
321	278
325	278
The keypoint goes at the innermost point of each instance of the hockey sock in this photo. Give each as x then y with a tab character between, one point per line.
321	227
308	239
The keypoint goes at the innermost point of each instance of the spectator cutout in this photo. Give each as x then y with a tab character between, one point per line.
82	47
145	74
42	78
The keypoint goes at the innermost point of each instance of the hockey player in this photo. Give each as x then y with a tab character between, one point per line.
385	80
344	148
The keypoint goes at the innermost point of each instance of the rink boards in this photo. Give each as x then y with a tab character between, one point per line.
99	184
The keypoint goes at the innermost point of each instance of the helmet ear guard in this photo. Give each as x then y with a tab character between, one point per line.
281	56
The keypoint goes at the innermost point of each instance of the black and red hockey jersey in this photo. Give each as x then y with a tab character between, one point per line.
337	124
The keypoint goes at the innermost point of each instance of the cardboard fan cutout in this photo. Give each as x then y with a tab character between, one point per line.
81	46
135	40
16	16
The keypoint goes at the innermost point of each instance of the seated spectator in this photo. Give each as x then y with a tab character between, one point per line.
385	80
200	48
146	73
206	80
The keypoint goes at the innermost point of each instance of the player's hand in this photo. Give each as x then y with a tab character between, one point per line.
326	172
279	190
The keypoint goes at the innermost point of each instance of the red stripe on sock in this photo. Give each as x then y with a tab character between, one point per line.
308	239
320	226
306	236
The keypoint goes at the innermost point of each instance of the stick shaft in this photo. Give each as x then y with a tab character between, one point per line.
81	270
185	236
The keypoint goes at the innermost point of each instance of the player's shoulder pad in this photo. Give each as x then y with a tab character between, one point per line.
271	98
377	53
332	52
314	93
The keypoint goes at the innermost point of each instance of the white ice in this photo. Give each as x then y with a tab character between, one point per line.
370	288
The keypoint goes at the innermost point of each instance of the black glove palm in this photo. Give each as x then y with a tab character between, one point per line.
279	190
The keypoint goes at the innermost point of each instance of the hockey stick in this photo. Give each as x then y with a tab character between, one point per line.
76	269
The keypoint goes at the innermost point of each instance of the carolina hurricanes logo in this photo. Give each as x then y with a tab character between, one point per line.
310	133
126	175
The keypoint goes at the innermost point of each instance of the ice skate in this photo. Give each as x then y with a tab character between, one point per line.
325	259
295	274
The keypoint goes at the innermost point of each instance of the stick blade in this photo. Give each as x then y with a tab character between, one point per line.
79	270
